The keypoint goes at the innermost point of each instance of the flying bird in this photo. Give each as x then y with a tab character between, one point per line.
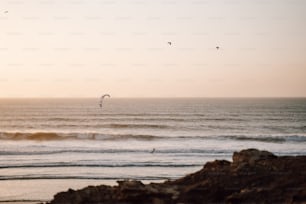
153	150
169	43
217	47
5	11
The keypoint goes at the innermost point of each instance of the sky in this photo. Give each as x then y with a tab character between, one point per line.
85	48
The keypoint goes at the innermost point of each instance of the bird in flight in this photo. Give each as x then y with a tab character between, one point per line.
5	11
217	47
169	43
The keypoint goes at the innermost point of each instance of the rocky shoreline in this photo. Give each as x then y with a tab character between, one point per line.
253	177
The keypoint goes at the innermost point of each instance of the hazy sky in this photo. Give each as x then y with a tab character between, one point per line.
84	48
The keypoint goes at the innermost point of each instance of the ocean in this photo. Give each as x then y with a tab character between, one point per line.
50	145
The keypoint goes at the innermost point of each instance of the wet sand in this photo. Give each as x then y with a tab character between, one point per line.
35	191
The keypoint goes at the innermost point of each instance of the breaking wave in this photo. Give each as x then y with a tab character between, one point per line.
45	136
49	136
39	136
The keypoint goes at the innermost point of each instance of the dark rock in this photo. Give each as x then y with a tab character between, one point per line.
251	156
253	177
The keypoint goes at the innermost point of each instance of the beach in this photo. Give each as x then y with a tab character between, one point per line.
254	176
51	145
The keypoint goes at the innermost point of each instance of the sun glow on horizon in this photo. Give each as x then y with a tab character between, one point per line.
66	48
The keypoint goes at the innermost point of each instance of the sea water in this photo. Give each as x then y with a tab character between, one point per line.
50	145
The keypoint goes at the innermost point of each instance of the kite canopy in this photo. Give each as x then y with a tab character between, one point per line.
102	98
105	95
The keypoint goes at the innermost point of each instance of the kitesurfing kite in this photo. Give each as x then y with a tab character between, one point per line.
102	98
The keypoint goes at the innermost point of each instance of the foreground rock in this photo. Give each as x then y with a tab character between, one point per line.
253	177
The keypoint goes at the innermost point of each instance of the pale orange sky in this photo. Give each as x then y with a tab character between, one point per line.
69	48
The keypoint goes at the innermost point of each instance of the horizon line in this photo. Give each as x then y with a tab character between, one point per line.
170	97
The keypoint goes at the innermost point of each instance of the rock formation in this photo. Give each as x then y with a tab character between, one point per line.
253	177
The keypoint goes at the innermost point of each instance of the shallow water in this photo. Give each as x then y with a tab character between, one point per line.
64	143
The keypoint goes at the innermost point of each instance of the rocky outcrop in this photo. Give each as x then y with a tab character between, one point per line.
253	177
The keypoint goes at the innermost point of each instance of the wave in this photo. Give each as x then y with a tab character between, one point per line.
258	138
123	125
208	152
53	177
272	139
179	118
61	164
88	124
49	136
39	136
